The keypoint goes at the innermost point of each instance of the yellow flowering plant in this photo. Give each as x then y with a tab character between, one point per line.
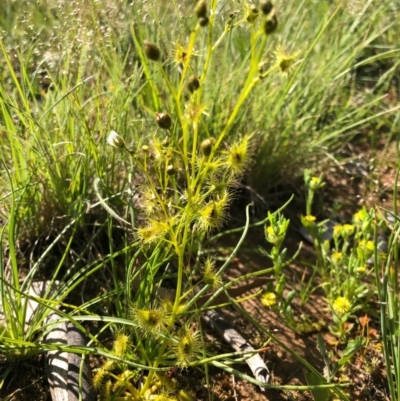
273	297
188	172
343	262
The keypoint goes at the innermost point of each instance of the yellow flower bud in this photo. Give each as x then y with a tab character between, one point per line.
341	305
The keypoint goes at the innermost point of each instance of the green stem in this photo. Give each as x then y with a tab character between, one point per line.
180	247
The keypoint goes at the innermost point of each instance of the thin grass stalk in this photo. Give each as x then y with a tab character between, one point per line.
389	300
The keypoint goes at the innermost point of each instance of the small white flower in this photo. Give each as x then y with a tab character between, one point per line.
115	140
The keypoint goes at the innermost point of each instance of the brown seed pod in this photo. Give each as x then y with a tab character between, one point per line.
164	120
203	21
152	51
207	145
270	25
266	7
171	170
253	14
193	84
201	9
254	9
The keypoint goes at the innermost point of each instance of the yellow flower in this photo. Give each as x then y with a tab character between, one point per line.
268	299
370	245
359	217
337	256
348	229
341	305
337	231
360	269
366	245
270	235
308	221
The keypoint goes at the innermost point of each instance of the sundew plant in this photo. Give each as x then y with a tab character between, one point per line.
126	128
188	173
